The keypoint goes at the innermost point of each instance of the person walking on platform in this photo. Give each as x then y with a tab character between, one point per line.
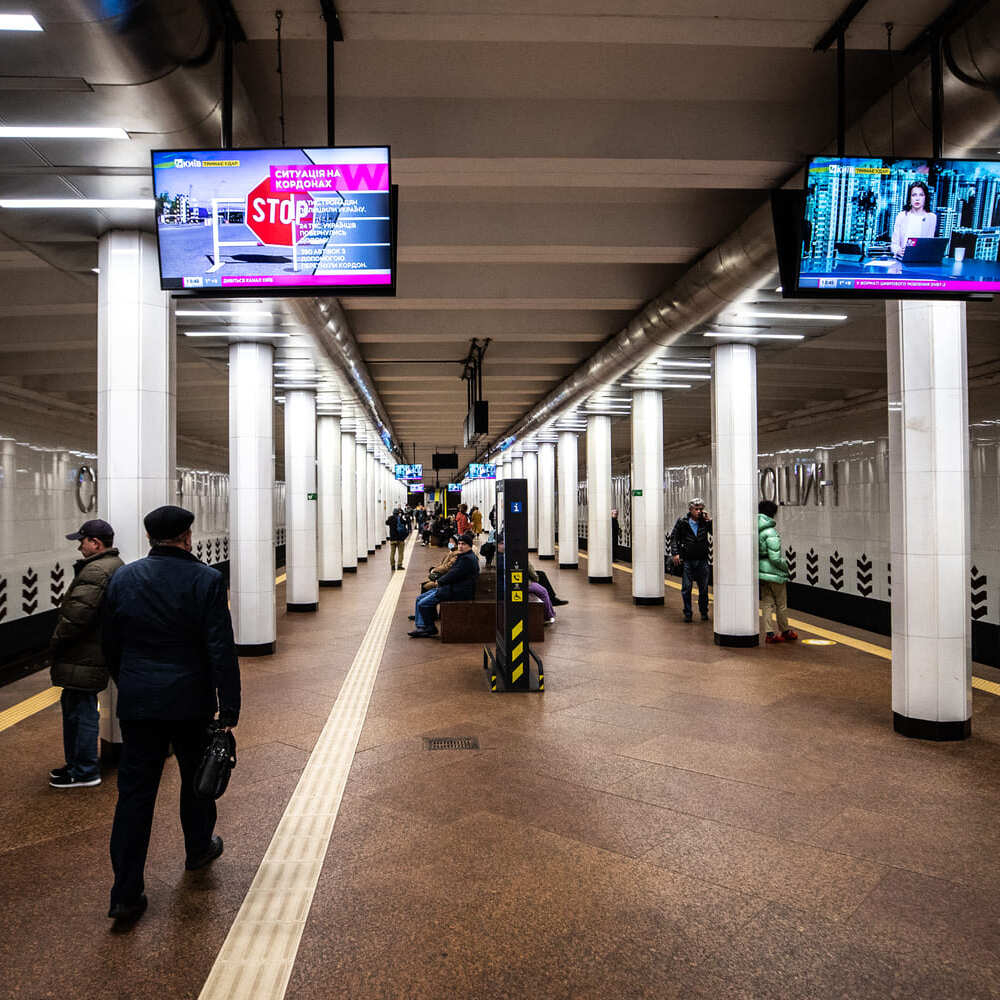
399	531
77	658
476	517
458	584
168	640
689	546
462	522
773	574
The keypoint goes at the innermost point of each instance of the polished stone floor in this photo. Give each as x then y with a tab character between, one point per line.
667	819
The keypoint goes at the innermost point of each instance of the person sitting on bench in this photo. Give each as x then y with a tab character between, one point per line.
458	584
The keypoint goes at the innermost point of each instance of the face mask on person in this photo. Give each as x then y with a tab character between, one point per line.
451	545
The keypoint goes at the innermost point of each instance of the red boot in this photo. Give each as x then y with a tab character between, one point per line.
771	637
790	634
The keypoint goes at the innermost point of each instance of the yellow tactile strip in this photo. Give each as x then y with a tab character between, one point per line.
24	709
256	959
865	647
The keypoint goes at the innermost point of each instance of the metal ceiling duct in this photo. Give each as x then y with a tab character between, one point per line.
748	258
325	321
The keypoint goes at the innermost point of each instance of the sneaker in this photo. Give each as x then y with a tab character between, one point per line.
68	781
771	637
550	621
400	567
790	635
558	602
128	913
423	633
214	850
59	772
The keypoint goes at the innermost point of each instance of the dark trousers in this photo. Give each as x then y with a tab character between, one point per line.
695	571
145	745
80	726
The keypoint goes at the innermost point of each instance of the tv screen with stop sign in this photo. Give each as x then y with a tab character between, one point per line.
281	221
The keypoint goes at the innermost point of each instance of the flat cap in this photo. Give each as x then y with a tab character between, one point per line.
167	522
467	538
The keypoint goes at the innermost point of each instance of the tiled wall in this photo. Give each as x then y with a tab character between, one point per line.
47	491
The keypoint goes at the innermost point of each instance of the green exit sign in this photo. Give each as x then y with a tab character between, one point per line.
637	493
310	496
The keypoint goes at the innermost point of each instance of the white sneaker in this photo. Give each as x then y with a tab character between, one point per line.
549	621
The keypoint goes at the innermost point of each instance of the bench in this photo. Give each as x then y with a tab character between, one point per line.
476	621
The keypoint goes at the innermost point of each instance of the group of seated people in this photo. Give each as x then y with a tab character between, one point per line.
455	578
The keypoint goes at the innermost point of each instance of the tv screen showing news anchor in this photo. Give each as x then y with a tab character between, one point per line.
905	226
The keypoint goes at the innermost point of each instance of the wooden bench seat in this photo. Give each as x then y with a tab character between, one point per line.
476	621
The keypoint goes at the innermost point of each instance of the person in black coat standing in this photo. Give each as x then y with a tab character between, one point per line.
168	643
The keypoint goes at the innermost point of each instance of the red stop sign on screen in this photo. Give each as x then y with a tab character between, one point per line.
278	219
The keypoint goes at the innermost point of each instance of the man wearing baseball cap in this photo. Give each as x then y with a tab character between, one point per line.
77	657
169	644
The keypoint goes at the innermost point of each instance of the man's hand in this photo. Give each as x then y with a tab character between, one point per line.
677	560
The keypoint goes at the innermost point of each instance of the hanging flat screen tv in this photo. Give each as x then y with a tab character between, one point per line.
899	228
275	221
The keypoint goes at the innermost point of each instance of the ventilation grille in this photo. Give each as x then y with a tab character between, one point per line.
451	743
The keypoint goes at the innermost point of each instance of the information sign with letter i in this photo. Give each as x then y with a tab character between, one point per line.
512	666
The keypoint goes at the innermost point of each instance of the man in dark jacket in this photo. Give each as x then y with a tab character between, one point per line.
399	530
458	584
77	658
689	545
168	639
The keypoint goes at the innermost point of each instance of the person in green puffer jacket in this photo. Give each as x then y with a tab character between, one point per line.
773	574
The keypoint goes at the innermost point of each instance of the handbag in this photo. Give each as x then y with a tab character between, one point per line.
217	763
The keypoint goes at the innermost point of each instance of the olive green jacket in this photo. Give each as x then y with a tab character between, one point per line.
77	657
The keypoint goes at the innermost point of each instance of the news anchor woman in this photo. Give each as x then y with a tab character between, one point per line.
914	220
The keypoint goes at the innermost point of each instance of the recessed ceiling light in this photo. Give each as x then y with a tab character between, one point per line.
134	203
248	314
62	132
223	334
825	317
656	385
755	336
19	22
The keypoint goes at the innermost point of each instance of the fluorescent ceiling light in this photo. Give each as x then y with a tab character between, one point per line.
62	132
248	314
656	385
19	22
136	203
826	317
756	336
222	334
667	363
694	375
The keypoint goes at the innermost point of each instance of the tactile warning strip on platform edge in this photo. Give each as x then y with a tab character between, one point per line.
19	712
256	959
865	647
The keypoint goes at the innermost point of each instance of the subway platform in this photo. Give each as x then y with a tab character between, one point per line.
668	819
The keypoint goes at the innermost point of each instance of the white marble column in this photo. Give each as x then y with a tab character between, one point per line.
251	497
734	481
599	499
136	405
929	519
302	583
647	497
517	464
136	388
361	510
372	511
328	475
348	494
569	480
546	500
531	477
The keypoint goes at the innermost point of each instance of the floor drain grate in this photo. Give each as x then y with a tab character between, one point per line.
451	743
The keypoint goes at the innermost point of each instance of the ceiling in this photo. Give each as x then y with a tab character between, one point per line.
559	166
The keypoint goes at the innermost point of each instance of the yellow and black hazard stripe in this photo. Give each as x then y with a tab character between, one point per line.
516	652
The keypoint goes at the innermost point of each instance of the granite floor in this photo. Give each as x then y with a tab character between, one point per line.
667	819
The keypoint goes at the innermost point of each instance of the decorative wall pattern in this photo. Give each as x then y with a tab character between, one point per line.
47	492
